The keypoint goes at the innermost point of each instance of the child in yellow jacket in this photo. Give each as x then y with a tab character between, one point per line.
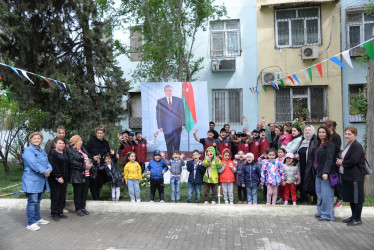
133	176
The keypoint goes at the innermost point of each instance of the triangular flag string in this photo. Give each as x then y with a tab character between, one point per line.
319	68
306	74
297	79
27	77
290	77
309	69
347	58
336	60
282	82
369	49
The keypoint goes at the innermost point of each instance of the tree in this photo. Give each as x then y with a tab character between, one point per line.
67	40
168	29
15	126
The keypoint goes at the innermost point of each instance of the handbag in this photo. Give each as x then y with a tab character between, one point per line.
367	168
334	179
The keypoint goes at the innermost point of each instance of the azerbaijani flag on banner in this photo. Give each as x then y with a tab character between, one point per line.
189	106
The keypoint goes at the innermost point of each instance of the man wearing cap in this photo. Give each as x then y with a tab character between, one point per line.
170	119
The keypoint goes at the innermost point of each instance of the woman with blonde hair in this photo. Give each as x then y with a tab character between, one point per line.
36	172
80	166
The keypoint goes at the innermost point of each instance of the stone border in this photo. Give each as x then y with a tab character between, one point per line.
185	208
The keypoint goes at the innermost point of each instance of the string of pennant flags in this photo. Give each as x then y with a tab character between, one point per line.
307	72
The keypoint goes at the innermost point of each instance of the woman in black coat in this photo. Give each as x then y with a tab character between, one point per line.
58	180
322	162
351	166
98	147
80	166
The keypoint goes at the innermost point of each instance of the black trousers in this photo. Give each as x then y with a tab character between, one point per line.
142	165
242	193
356	209
96	185
58	195
173	140
159	185
80	194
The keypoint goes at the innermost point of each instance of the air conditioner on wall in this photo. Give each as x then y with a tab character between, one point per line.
268	77
309	52
223	64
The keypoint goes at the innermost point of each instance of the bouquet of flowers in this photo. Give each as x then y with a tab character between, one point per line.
145	182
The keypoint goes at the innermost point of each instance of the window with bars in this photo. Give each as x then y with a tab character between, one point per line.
355	91
297	102
135	44
297	27
227	106
225	38
359	27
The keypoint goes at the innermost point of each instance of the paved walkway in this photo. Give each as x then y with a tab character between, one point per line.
180	231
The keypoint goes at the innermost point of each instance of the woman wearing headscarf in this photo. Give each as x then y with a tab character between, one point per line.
307	181
351	165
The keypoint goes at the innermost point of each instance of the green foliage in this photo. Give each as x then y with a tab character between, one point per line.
363	59
296	122
70	41
359	105
168	31
146	180
305	112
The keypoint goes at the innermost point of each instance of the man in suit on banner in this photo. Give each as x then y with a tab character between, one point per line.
170	119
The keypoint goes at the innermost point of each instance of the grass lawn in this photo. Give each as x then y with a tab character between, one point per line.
15	177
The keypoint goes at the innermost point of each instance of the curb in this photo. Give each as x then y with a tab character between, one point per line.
186	208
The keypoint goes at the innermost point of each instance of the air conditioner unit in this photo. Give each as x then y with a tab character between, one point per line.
223	64
268	77
309	52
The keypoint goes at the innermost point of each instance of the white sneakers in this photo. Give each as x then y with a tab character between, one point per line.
226	202
33	227
42	222
137	200
161	201
206	202
213	202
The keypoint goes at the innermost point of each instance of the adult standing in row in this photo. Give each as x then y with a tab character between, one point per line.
307	182
80	165
322	161
294	143
351	165
211	128
34	179
60	134
58	180
98	147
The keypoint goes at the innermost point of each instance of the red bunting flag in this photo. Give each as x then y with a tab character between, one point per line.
289	77
319	67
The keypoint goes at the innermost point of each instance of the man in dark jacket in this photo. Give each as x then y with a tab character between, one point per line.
195	178
170	119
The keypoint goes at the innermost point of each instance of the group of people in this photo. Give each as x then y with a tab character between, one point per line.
281	159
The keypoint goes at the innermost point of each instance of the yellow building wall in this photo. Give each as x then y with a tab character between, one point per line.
289	60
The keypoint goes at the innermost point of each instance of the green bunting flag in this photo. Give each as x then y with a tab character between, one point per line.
8	95
282	82
309	69
263	86
369	49
69	86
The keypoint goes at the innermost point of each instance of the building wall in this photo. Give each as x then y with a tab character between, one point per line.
357	75
246	65
289	59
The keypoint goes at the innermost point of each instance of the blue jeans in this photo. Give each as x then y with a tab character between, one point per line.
191	188
134	190
325	194
175	185
252	191
33	207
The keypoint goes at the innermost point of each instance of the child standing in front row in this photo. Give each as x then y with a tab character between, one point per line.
157	168
195	177
176	164
212	165
114	176
281	158
292	176
240	162
227	177
272	176
133	176
251	175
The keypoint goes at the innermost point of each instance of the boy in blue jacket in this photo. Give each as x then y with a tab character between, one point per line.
251	175
156	168
195	178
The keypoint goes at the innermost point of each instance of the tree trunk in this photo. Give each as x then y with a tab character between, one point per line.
369	182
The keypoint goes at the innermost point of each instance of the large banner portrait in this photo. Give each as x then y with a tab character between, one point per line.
174	109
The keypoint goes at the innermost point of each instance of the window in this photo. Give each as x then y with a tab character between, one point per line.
225	38
359	27
297	102
356	92
297	27
135	110
227	106
135	43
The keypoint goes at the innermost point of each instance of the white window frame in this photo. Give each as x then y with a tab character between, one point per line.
355	118
309	99
226	106
225	39
290	30
360	23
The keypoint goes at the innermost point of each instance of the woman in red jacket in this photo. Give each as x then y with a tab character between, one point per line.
227	177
